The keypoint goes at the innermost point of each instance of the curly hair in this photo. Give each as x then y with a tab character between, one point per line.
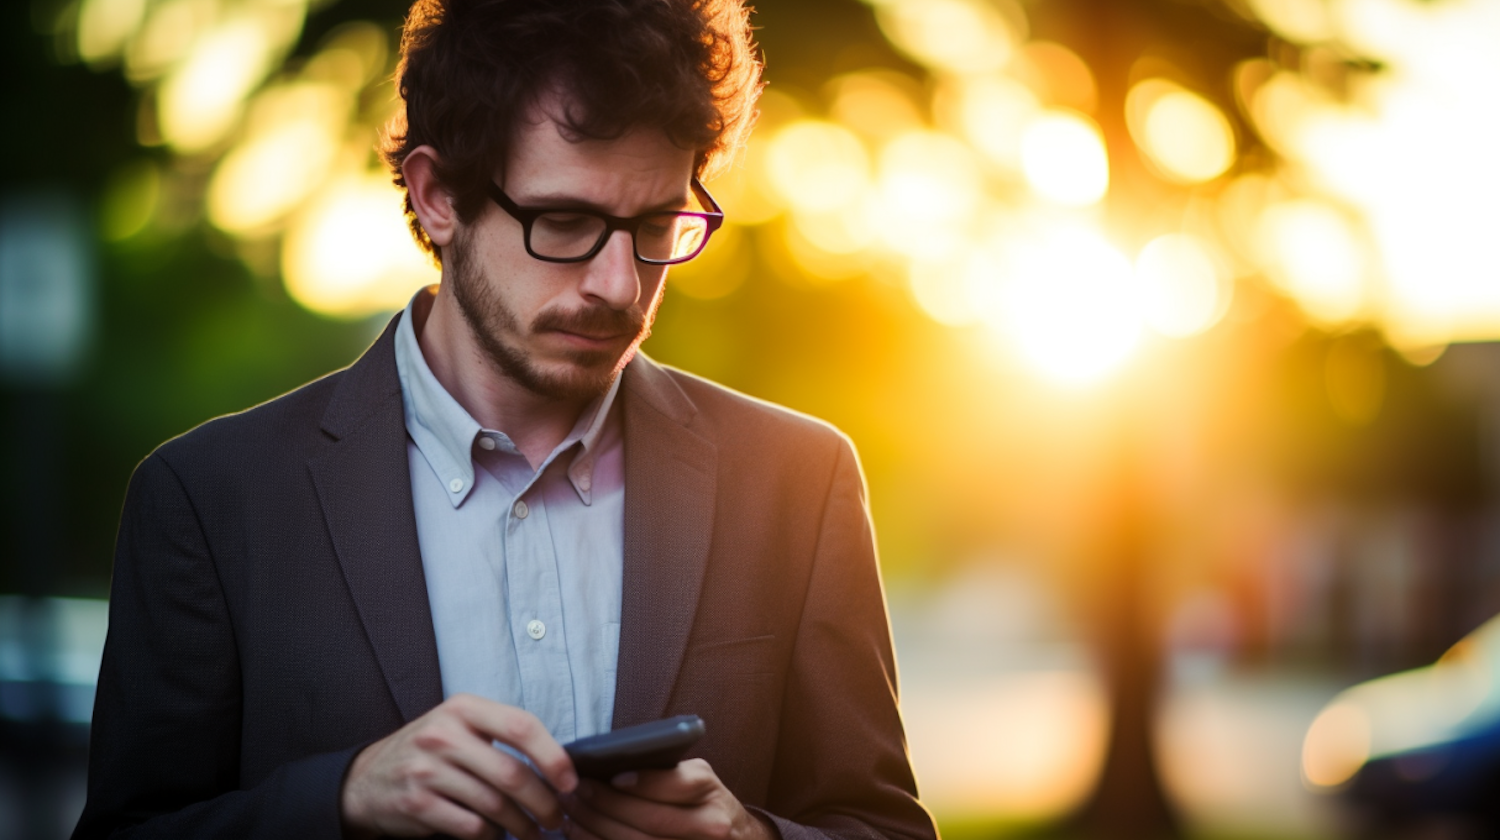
470	71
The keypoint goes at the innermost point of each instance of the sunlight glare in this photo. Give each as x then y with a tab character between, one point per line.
941	289
1302	21
1412	154
823	259
1069	304
992	113
1312	252
744	189
816	165
1064	159
1184	285
847	231
1384	29
349	253
877	105
929	189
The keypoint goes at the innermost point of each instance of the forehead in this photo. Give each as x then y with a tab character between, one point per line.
640	168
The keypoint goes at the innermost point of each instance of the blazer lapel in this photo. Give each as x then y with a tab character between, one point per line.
364	486
669	506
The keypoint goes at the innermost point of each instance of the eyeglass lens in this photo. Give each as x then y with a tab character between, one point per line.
663	236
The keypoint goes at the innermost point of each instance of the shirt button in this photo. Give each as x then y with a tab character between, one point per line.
487	443
536	629
584	482
456	485
521	512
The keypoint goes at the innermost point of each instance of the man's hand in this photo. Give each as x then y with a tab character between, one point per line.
441	773
685	803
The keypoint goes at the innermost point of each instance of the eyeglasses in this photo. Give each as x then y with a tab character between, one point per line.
566	235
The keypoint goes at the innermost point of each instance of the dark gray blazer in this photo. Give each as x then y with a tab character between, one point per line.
269	618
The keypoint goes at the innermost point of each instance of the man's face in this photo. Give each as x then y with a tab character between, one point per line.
563	330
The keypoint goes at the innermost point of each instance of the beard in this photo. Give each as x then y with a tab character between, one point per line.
587	373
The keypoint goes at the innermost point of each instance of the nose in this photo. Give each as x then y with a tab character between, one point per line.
612	275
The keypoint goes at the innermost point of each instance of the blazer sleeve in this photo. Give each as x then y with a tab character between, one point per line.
165	742
842	768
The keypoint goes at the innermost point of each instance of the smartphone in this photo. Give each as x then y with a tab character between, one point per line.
657	745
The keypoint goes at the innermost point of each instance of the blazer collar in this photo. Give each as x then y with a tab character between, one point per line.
364	486
670	489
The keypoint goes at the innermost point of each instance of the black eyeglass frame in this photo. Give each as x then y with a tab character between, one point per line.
714	218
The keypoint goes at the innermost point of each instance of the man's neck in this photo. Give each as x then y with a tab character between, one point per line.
534	423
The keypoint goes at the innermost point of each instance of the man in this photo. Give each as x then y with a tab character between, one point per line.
378	604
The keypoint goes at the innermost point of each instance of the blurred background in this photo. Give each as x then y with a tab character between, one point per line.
1164	329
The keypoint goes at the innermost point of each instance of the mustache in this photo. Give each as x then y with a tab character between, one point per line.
592	320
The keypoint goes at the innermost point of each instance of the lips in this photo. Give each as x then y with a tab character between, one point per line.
589	340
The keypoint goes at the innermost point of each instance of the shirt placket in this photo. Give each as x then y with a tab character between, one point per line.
535	611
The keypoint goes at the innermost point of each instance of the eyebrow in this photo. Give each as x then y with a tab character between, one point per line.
560	201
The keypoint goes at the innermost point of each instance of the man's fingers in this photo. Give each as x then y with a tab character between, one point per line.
583	812
445	817
520	729
647	817
510	776
484	800
574	830
689	783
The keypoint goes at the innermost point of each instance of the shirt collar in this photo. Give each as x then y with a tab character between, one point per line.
445	432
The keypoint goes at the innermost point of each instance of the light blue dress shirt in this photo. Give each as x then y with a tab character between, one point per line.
523	567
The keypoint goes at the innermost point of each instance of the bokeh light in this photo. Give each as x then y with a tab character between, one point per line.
201	99
816	165
1184	135
877	105
1184	286
348	252
1026	746
1064	159
962	36
992	113
929	189
1406	711
1313	252
292	142
1059	76
1338	744
104	26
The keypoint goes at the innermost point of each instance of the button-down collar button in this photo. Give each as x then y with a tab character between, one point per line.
584	482
456	485
487	443
536	629
521	510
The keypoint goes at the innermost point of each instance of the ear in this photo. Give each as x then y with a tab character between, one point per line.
429	198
